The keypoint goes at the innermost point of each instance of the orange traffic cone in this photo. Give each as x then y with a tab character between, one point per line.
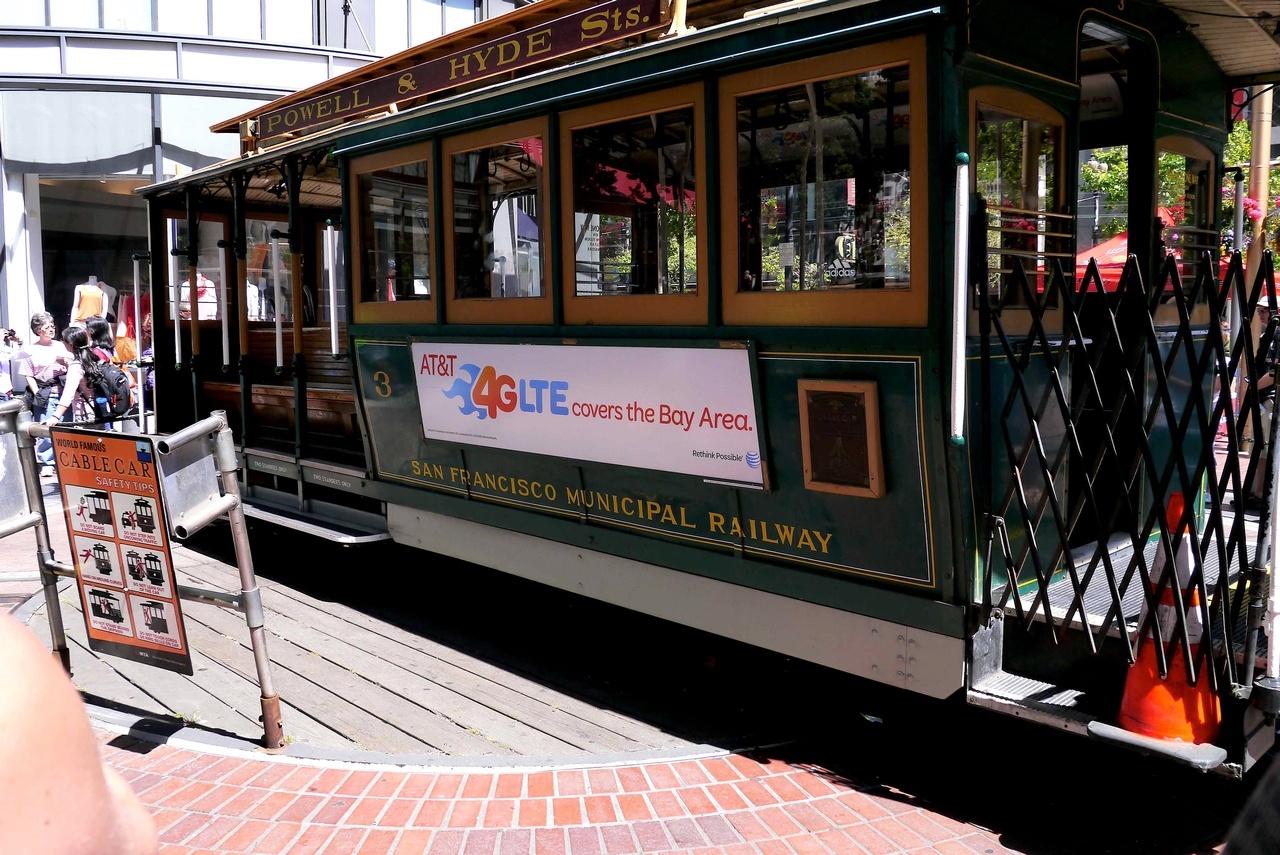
1171	708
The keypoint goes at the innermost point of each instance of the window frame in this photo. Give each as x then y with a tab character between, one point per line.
908	307
635	309
1166	313
1016	102
494	310
225	270
402	311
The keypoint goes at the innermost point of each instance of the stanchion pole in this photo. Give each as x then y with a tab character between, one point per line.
224	451
26	429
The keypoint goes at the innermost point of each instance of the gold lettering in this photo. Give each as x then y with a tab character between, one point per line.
633	16
323	109
825	540
668	515
594	26
355	99
406	84
684	521
804	541
482	57
715	522
272	122
453	67
508	52
652	509
735	528
764	531
539	42
290	118
628	512
785	533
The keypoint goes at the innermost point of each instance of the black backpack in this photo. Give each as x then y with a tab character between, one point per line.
110	385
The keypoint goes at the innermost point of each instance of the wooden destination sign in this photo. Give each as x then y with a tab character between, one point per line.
580	31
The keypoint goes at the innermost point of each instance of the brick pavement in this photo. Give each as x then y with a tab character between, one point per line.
205	802
218	798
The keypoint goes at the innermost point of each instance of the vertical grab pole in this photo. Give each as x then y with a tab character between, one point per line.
1237	233
222	308
138	258
329	259
224	450
175	286
275	276
960	298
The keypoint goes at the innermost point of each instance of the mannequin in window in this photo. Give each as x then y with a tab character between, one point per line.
206	298
90	301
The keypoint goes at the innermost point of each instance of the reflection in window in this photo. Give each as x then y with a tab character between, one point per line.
635	206
395	232
824	184
1017	174
268	287
1185	197
210	270
496	220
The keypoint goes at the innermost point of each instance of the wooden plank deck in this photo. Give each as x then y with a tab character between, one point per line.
351	680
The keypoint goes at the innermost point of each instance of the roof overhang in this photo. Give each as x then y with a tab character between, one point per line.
1240	35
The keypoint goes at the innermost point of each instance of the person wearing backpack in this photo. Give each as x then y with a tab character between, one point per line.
76	401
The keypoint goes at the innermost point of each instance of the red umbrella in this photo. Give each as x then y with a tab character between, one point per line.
1112	254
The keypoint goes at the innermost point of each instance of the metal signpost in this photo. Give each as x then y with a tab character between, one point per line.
127	496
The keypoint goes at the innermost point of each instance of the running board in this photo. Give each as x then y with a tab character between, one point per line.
1044	703
336	531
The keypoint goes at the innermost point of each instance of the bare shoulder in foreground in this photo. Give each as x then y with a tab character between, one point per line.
58	797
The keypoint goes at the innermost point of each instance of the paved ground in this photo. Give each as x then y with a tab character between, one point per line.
213	790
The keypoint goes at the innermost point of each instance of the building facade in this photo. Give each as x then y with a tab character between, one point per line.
99	97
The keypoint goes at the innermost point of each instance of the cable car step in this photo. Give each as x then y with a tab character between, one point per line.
338	531
1045	703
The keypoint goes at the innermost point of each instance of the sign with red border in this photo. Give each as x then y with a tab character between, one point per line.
111	495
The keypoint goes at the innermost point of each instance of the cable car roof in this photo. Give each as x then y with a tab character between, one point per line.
1242	37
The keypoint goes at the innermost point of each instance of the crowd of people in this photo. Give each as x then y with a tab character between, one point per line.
51	372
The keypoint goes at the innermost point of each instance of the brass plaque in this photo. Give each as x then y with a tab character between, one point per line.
840	433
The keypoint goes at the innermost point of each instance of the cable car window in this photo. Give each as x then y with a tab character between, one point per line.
633	176
635	206
396	204
1185	197
497	219
1017	165
268	287
210	269
824	184
392	223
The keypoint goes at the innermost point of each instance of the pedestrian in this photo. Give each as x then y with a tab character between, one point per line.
76	401
42	367
101	337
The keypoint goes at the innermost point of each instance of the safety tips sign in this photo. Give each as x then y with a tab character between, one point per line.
124	564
